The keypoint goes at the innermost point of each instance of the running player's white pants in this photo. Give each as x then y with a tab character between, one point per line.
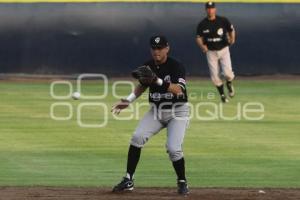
219	62
175	120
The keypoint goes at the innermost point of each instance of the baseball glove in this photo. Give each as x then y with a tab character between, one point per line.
145	75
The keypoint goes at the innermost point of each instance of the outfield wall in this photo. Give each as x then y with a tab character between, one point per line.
113	37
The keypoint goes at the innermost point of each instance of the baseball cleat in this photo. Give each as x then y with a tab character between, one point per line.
182	187
125	185
230	88
224	99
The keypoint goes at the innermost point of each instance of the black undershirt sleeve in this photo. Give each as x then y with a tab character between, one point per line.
199	31
228	25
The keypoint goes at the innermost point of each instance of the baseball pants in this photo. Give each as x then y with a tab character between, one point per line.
175	120
219	62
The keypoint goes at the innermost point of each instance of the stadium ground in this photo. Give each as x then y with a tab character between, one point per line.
36	150
52	193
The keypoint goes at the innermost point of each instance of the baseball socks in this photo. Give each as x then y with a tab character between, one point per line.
182	186
133	158
230	89
221	92
221	89
180	169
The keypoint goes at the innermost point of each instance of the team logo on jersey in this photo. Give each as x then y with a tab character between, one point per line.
220	31
155	96
157	40
167	78
206	31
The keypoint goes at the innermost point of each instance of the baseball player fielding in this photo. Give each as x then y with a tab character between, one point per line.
165	78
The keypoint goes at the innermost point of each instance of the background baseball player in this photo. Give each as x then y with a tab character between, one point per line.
165	78
214	35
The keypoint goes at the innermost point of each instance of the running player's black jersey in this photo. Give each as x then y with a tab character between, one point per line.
171	71
215	32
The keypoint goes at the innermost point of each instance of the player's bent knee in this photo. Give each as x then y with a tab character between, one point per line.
175	155
217	82
138	140
229	76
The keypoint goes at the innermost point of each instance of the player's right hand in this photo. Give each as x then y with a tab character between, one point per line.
204	49
118	107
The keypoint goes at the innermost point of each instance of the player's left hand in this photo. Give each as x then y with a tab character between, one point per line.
145	75
118	107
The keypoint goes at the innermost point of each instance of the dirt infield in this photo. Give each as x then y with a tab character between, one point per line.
55	193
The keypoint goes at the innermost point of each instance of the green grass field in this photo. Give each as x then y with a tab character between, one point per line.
37	150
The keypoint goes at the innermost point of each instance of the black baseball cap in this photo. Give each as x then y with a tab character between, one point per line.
210	4
158	42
